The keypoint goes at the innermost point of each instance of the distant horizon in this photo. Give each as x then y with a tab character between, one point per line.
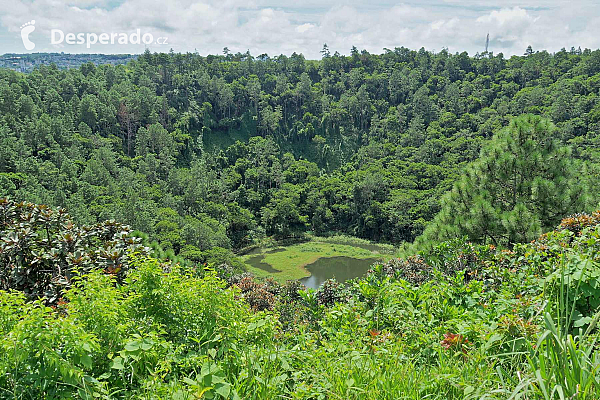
289	55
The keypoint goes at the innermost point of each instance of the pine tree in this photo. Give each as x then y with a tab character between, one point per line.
523	183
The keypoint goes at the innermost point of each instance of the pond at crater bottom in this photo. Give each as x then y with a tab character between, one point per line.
340	268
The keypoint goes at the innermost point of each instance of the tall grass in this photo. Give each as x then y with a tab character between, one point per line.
562	366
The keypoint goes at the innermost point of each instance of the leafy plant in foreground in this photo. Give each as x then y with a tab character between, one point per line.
562	365
41	250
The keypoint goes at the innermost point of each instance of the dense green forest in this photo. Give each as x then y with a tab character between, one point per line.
222	151
126	192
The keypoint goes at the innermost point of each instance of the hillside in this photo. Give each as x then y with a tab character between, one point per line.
152	213
224	151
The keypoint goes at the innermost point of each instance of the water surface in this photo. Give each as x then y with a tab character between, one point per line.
257	262
340	268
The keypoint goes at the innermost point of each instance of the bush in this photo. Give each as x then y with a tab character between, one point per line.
41	250
43	355
194	312
577	222
260	296
331	292
413	269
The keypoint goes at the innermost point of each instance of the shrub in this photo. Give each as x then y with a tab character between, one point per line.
331	292
41	250
460	256
413	269
43	355
99	306
577	222
290	292
260	296
194	312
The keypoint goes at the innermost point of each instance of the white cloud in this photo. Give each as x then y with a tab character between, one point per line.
304	27
507	16
287	26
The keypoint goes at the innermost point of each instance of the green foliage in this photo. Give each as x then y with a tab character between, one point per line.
523	183
464	321
221	150
564	366
579	282
281	217
41	250
42	355
193	313
116	340
364	145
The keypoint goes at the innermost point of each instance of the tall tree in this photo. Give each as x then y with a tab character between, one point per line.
523	182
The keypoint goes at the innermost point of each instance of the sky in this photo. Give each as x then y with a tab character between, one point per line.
287	26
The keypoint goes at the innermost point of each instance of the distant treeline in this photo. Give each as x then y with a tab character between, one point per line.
28	62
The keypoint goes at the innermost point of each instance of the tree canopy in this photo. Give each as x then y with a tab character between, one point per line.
225	149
